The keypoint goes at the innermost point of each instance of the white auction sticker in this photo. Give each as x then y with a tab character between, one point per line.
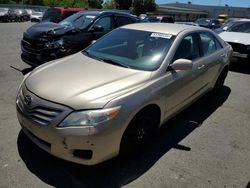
161	35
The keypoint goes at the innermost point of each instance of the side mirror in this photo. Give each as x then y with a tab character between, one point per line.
97	28
225	28
181	64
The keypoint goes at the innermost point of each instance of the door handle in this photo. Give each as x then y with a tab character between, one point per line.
201	66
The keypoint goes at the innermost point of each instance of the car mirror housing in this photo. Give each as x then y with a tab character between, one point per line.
181	64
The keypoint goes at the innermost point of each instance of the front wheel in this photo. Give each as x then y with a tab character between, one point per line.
140	130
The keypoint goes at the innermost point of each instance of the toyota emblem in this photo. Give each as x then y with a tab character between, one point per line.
28	100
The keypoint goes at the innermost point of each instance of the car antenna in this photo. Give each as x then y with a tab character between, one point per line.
24	71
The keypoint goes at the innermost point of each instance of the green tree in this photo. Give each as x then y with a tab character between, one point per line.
124	4
111	4
95	3
66	3
32	2
143	6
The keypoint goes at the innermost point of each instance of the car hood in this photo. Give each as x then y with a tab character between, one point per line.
82	82
47	29
237	37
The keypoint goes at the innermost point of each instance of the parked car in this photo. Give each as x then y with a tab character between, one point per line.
21	15
208	23
238	36
225	26
111	97
47	41
29	11
12	15
187	23
4	14
57	14
36	16
156	19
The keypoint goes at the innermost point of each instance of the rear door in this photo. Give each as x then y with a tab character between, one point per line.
213	55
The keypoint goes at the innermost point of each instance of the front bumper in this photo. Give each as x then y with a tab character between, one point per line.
4	18
83	145
35	56
240	50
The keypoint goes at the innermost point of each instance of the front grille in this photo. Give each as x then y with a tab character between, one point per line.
33	45
42	115
237	47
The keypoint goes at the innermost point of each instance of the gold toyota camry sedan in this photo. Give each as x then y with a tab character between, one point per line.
111	97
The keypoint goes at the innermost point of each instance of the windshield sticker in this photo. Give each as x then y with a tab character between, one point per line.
89	16
161	35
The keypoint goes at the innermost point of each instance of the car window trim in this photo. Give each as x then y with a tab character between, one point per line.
102	16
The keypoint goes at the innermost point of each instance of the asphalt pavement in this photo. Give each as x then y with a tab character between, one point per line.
207	145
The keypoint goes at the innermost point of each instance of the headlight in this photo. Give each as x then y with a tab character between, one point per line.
90	117
55	44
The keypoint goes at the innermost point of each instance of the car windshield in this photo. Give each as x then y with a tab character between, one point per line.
79	21
134	49
243	27
203	21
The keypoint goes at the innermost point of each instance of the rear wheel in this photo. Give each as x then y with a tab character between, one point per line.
140	130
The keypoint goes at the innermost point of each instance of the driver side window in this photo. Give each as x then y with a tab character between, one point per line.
187	49
105	22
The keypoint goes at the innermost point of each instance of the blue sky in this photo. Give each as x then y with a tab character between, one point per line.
236	3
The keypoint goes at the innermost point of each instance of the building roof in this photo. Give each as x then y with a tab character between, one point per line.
172	9
198	6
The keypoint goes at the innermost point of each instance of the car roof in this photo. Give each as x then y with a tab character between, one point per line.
167	28
243	20
96	12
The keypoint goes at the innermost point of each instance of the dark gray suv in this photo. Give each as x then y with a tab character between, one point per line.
47	41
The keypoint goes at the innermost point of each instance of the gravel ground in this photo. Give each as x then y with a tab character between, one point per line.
207	145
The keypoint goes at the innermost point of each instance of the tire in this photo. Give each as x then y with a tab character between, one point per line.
140	130
220	81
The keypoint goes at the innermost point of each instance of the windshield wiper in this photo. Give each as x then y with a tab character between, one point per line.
110	61
85	52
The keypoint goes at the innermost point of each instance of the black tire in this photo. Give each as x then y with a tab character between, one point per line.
140	130
220	81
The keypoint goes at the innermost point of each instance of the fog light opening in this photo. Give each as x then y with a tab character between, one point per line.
84	154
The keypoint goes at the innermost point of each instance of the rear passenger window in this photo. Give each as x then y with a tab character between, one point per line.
105	22
208	43
120	20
